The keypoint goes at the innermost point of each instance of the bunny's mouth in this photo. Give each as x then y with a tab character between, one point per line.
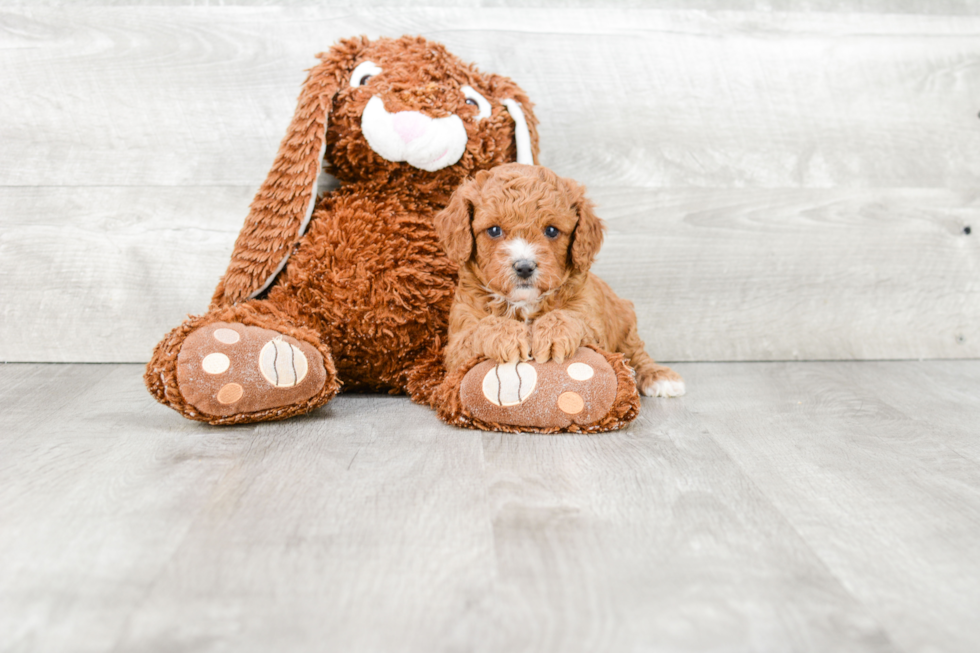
426	143
444	153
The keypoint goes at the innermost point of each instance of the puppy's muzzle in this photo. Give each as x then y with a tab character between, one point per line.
524	268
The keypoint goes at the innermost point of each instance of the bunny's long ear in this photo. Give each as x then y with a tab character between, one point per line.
521	111
522	133
282	208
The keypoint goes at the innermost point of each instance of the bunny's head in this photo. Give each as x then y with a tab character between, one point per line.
392	113
407	107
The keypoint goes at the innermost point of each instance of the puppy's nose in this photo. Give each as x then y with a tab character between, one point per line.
525	268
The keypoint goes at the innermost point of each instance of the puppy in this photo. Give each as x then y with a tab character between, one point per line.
524	239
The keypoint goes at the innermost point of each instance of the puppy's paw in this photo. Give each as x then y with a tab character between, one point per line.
555	336
502	340
660	382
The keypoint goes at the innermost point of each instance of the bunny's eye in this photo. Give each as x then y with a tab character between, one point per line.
364	71
551	232
476	100
495	232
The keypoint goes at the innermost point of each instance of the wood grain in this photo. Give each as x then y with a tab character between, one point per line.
881	493
953	386
615	544
778	184
776	507
101	274
797	274
93	501
385	543
944	7
202	95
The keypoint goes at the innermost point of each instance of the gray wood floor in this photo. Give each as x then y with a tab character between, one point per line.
778	507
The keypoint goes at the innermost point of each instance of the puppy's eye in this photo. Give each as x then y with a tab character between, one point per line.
473	98
495	232
362	73
551	232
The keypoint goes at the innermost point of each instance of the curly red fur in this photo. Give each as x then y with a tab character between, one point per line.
528	213
161	379
367	284
625	407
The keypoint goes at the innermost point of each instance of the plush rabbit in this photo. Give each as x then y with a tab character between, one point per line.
350	287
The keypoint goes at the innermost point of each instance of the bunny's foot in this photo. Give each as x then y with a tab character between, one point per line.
231	372
589	392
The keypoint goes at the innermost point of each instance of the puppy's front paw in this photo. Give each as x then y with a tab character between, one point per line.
555	336
660	382
503	340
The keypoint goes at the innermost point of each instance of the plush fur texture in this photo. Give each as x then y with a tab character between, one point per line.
366	281
524	239
625	406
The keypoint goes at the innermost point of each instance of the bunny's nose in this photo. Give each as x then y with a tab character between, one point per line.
410	124
525	268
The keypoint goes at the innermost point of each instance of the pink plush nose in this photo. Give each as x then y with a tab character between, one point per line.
410	124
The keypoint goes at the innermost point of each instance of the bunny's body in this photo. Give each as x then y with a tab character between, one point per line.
374	284
352	287
349	288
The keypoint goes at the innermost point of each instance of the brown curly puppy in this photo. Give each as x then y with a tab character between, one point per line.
350	286
526	238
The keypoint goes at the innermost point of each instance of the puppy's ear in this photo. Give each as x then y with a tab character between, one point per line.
454	224
587	237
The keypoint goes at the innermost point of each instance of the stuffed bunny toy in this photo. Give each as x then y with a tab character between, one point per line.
350	287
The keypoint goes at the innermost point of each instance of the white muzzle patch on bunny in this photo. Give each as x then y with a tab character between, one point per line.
426	143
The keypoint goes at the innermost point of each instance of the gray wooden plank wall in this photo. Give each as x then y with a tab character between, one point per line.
944	7
778	185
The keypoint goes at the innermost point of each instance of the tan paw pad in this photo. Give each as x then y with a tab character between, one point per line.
571	403
580	371
509	384
215	363
282	364
225	368
541	395
230	393
226	336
